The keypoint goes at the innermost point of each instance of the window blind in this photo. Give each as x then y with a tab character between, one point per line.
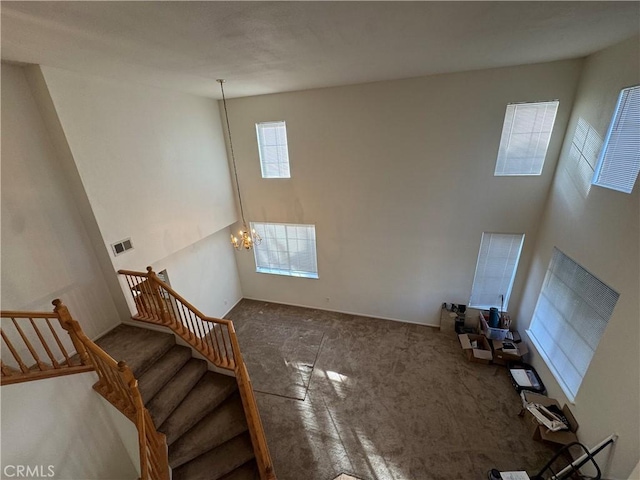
619	161
273	149
496	269
570	317
286	249
526	133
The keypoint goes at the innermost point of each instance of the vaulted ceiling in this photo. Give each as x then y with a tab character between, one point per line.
266	47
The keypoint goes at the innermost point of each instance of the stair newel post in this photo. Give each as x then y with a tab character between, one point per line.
72	327
137	414
165	315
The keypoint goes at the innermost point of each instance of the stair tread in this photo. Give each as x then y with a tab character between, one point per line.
210	391
175	390
248	471
139	347
222	424
216	463
162	371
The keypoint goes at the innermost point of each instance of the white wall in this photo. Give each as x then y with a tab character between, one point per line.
46	252
599	230
207	271
152	162
63	422
398	178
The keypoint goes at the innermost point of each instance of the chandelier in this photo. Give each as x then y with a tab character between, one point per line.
246	239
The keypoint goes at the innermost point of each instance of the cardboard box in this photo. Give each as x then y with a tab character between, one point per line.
502	356
479	354
542	433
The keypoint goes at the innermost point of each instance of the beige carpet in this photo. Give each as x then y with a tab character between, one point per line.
386	401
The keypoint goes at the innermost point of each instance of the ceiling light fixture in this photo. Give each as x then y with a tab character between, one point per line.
247	239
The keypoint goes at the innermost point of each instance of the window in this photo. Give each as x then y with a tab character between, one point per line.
619	161
496	269
573	310
525	138
286	249
272	146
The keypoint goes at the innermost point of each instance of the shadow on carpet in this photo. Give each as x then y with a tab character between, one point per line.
280	358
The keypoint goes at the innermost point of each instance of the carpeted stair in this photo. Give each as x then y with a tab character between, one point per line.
199	411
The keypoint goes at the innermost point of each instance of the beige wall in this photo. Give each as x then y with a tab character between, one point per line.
152	162
46	251
63	422
600	230
206	274
153	166
398	178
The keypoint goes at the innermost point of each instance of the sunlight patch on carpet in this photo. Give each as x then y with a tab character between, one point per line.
280	358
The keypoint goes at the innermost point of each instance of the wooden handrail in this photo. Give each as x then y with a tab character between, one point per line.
116	381
157	303
37	349
117	384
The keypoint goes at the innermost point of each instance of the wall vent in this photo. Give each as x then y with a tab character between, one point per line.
121	246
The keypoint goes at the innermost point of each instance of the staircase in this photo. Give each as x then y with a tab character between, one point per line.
199	411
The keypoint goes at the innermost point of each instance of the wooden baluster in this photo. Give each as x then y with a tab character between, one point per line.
198	321
103	382
139	411
226	342
136	298
54	362
156	288
214	333
21	364
177	318
72	327
60	346
6	372
118	390
186	320
127	379
34	354
151	300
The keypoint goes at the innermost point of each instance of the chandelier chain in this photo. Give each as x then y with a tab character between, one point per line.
233	157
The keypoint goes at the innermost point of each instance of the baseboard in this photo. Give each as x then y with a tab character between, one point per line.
345	312
234	306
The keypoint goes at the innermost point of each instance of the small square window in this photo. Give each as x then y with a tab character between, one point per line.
273	149
619	161
526	133
286	249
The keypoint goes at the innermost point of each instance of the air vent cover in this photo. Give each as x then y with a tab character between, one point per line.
121	246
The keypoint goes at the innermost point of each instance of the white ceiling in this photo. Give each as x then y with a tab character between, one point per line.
266	47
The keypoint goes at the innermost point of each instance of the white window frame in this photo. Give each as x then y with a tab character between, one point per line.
282	151
573	310
280	248
506	162
482	266
613	171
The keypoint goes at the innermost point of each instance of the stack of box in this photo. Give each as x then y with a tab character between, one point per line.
492	345
542	433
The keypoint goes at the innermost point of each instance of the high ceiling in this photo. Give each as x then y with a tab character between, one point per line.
266	47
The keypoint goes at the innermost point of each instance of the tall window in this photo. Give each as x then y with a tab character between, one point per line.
573	310
619	161
525	138
272	146
496	269
286	249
